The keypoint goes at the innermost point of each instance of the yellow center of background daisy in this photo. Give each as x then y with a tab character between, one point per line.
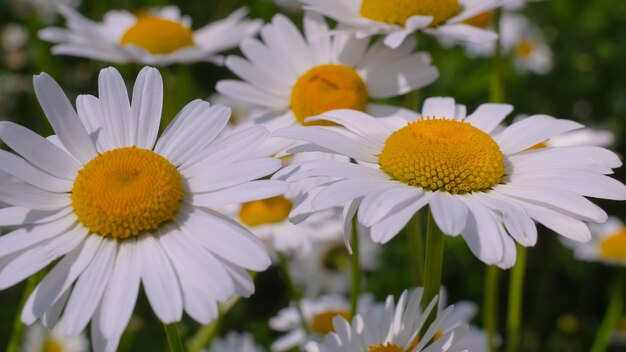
388	347
445	155
51	346
265	211
125	192
614	246
482	20
323	323
325	88
398	11
157	35
524	49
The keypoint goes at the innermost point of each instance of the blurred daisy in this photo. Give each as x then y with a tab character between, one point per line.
525	42
47	10
241	113
584	136
156	37
318	315
607	245
38	338
397	327
294	77
118	207
235	342
398	19
485	185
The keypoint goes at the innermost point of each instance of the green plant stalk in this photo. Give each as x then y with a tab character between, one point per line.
613	313
356	268
293	291
490	305
173	338
203	336
516	295
496	87
17	331
433	265
415	238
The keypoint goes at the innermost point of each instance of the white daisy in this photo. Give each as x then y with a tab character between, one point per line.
235	342
38	338
241	113
156	37
47	9
318	314
525	42
120	208
398	19
395	328
581	137
486	186
294	77
607	245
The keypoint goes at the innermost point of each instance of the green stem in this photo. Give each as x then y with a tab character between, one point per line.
613	313
490	305
294	293
412	100
433	265
173	338
416	250
17	332
497	79
356	268
516	294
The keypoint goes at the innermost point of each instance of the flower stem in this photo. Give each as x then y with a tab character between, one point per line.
516	294
356	268
17	332
613	313
433	265
497	79
294	293
173	338
416	250
490	304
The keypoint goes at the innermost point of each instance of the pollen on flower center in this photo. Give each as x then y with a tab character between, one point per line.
127	191
614	246
328	87
158	35
388	347
444	155
398	11
265	211
51	346
524	49
482	20
323	323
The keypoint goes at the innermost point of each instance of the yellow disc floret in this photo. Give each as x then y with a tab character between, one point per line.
388	347
482	20
524	49
127	191
325	88
51	346
158	35
445	155
398	11
614	246
265	211
323	323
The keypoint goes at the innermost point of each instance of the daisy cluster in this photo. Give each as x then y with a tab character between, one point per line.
302	160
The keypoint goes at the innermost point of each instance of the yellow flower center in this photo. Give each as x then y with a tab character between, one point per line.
265	211
51	346
614	246
540	145
388	347
158	35
323	323
127	191
445	155
398	11
482	20
524	49
327	87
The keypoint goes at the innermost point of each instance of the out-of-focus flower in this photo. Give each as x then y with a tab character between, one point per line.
235	342
607	245
13	36
38	338
480	182
289	5
525	42
155	37
47	10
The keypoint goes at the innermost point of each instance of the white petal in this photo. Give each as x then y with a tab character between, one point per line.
439	107
117	123
246	192
16	216
21	194
251	95
449	213
339	192
401	76
146	107
378	205
518	224
488	116
232	174
23	170
387	228
481	233
28	236
532	131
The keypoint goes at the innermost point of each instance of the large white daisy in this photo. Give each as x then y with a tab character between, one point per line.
485	185
607	245
156	37
121	208
294	77
396	328
398	19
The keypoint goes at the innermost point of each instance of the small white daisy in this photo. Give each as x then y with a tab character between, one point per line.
485	185
156	37
294	77
525	42
119	208
47	10
398	19
607	245
38	338
396	328
318	314
235	342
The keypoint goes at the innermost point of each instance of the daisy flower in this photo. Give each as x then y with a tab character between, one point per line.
38	338
294	77
581	137
395	328
318	314
398	19
156	37
607	245
235	342
119	208
525	42
484	185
